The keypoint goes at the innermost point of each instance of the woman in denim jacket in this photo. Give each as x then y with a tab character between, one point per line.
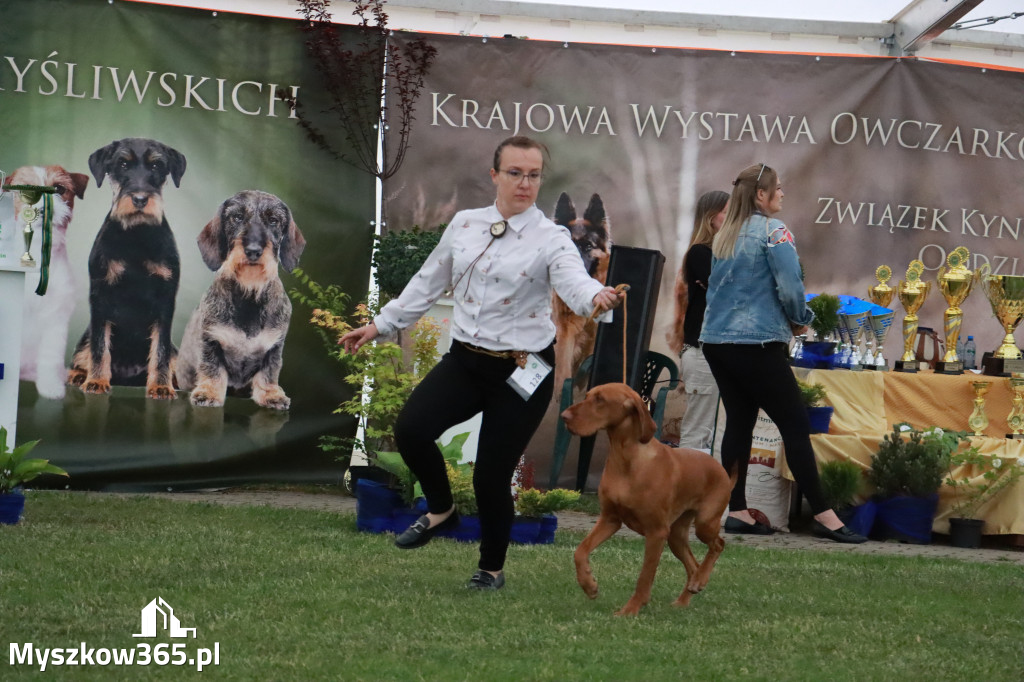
755	303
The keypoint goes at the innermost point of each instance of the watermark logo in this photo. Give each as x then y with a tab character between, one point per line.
159	612
157	618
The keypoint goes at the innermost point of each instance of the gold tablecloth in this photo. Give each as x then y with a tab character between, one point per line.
868	403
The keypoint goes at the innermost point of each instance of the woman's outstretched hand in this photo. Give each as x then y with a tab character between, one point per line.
357	338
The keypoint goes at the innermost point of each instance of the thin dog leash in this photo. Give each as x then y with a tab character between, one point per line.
621	289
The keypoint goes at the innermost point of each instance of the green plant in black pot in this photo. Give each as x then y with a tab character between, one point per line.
400	254
826	314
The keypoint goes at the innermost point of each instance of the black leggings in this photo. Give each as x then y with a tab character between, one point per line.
751	376
462	384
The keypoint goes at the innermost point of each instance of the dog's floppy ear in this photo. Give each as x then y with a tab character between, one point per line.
212	244
78	183
176	164
292	245
99	160
645	426
565	212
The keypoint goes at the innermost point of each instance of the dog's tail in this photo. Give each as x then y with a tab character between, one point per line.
734	473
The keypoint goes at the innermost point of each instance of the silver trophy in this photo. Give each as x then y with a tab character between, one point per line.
856	324
879	321
843	351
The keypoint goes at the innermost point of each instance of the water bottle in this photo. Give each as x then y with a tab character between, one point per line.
960	349
969	353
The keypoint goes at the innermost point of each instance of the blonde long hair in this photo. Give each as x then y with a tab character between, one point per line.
742	205
709	205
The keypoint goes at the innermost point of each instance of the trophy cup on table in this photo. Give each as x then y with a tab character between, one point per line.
880	317
855	322
1015	420
978	420
1005	293
955	284
912	293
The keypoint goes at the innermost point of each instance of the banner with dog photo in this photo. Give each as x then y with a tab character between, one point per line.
881	160
166	349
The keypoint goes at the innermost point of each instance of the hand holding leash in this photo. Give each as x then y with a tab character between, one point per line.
357	338
608	298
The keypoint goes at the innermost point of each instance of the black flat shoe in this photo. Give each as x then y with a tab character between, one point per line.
844	534
482	580
420	532
734	525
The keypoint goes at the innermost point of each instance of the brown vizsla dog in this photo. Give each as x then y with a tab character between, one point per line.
655	490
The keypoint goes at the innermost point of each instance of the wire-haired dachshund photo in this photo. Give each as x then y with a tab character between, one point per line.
574	335
133	274
235	338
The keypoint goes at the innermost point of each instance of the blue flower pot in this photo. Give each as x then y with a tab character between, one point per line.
861	518
11	507
376	504
548	525
820	417
525	530
907	519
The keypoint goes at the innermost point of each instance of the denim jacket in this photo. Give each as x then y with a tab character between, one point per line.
755	295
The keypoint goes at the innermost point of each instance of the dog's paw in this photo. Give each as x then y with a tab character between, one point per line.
201	398
50	389
97	386
683	600
273	398
76	376
589	587
161	392
631	608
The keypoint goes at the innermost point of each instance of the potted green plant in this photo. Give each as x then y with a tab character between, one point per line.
975	479
842	481
16	470
399	254
907	471
536	509
818	413
820	354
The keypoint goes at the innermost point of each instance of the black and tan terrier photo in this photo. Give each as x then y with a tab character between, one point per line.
133	274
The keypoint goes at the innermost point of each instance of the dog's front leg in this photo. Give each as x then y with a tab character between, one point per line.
211	377
97	379
602	530
266	392
158	372
655	543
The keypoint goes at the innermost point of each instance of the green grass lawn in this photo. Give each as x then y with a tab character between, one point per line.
301	595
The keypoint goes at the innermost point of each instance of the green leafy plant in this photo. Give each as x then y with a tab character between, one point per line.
536	503
826	314
16	469
460	475
913	462
328	302
982	478
841	481
813	395
400	254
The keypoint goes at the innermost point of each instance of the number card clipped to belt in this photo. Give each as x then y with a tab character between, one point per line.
525	380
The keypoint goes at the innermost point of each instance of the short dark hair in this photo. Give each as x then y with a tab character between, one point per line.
522	142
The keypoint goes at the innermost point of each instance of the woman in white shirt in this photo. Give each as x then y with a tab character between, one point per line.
500	264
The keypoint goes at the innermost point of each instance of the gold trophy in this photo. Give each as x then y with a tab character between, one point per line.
912	293
978	420
881	294
1005	293
955	284
1015	420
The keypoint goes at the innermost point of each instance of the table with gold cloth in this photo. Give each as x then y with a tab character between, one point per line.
868	403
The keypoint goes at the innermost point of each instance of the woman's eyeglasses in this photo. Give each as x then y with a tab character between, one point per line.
517	176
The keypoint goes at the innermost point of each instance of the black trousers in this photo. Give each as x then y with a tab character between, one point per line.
462	384
752	376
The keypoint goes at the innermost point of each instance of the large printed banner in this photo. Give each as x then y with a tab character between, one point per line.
191	192
882	160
